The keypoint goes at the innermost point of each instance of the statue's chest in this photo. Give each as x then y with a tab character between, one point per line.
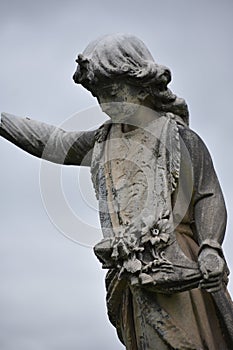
129	167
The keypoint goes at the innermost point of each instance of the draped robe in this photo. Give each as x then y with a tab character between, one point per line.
146	319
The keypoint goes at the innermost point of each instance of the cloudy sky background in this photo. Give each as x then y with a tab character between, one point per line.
52	292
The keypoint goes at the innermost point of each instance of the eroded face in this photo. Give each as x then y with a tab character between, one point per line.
120	101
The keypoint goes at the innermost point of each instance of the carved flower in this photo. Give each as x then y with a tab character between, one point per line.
159	233
155	237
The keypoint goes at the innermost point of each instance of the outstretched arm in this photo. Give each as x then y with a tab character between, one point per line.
47	141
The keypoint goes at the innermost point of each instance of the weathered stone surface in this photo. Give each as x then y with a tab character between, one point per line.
161	207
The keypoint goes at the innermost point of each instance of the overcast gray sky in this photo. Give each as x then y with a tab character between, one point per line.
52	292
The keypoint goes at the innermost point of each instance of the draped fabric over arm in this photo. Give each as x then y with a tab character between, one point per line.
47	141
209	211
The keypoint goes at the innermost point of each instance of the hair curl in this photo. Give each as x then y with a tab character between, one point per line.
122	57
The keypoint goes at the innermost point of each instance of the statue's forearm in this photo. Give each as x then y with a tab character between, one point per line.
46	141
27	134
210	220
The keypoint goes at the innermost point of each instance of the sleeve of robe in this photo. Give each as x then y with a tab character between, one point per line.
47	141
209	211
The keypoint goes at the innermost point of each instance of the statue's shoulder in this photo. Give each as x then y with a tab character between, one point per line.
194	143
190	136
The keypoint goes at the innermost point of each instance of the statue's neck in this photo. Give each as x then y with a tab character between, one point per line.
140	120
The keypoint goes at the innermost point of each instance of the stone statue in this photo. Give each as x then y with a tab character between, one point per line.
161	207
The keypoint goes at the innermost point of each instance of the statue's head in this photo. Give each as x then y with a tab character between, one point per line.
120	61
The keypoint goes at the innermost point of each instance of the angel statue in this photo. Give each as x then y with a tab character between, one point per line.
161	207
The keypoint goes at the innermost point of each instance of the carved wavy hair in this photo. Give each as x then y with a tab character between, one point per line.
122	57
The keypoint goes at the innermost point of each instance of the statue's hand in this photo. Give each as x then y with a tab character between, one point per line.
212	267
